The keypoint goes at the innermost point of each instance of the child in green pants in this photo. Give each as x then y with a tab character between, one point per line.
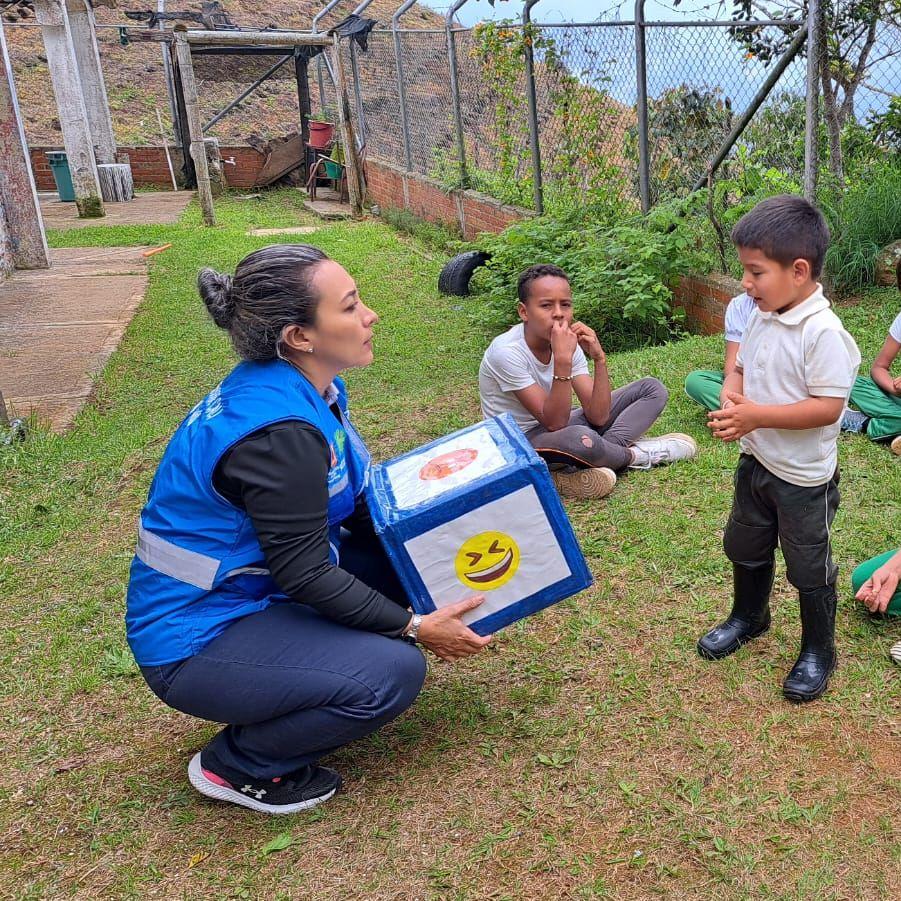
879	397
703	386
875	583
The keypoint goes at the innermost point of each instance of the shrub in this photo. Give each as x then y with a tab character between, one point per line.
863	219
621	267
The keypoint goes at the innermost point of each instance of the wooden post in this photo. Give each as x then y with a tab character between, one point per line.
355	186
189	176
195	127
18	197
73	116
93	87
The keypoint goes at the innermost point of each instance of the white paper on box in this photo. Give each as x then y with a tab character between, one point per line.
511	532
463	458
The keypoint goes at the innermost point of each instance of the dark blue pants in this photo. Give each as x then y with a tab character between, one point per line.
293	685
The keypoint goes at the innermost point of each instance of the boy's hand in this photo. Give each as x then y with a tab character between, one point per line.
735	420
897	385
563	342
589	342
877	591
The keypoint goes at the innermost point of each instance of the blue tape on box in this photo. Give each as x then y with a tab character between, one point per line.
476	512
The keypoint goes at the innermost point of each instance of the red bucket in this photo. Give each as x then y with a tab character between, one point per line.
321	134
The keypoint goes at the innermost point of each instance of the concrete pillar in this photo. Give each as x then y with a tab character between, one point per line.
93	87
23	227
73	115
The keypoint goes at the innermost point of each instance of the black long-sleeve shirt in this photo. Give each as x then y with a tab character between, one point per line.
279	476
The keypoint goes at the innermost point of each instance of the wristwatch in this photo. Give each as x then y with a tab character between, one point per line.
412	633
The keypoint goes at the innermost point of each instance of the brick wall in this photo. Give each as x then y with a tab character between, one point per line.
149	167
465	211
704	299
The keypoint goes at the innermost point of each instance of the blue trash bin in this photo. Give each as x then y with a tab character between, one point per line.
59	166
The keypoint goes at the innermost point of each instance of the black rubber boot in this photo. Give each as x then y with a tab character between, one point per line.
750	616
817	662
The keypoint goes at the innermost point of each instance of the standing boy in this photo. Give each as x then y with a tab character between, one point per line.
783	403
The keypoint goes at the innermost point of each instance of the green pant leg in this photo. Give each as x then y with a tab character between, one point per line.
866	569
703	386
883	409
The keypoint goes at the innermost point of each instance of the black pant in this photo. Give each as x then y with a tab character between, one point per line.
293	685
767	510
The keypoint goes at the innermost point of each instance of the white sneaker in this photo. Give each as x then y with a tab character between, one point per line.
895	652
584	483
663	449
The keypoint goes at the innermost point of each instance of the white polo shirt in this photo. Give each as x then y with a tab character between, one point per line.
740	309
789	357
894	329
509	365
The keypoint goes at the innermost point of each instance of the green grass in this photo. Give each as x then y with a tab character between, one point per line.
588	754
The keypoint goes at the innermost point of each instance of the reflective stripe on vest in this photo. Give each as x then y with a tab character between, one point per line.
178	562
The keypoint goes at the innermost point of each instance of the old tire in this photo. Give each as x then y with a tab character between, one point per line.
457	272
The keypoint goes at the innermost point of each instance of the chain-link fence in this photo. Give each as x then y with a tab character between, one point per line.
709	92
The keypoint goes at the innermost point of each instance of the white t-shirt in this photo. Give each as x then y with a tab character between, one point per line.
739	311
894	329
789	357
509	365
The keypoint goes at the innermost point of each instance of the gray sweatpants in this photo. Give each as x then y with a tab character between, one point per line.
634	408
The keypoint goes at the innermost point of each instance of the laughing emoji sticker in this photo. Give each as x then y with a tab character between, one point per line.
487	561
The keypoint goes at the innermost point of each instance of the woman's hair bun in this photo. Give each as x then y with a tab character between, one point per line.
216	290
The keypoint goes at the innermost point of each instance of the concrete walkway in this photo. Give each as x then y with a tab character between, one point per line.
153	208
58	327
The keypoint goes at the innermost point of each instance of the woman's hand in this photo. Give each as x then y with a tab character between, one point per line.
447	636
563	343
877	591
589	342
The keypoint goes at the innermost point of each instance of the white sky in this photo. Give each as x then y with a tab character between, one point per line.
581	10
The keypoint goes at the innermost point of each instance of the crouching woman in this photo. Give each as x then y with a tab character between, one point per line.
259	595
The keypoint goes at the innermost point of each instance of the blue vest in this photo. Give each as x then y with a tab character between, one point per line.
198	564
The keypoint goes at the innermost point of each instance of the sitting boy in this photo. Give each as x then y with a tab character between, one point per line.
784	401
703	386
879	397
531	372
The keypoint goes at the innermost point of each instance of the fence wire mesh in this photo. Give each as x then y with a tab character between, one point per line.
699	83
585	87
700	80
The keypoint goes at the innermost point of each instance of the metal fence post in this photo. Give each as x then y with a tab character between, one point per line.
355	70
401	82
455	89
812	110
314	28
641	109
537	185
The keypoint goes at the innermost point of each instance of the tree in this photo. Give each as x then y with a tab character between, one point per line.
849	47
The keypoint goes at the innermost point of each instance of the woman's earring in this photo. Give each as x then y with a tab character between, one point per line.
309	350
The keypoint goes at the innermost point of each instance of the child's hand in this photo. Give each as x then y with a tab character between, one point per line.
897	385
563	342
877	591
589	342
735	420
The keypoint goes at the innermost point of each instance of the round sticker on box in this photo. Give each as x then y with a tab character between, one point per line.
445	465
487	561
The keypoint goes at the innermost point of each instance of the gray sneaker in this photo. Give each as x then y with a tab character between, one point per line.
663	449
854	422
